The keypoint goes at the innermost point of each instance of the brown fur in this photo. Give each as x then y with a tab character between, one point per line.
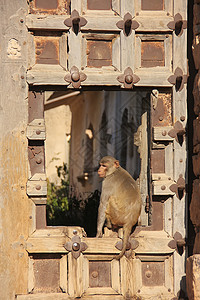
120	201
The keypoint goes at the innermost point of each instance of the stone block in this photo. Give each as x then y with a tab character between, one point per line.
193	277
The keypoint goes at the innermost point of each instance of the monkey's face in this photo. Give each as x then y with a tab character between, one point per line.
107	168
102	170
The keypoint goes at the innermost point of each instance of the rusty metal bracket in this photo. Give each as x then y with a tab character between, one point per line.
178	24
177	243
75	246
75	21
179	187
75	77
127	24
131	245
178	79
128	78
177	132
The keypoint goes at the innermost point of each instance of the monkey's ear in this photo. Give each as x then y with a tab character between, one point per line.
116	164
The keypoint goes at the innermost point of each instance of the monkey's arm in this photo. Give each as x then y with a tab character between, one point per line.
101	215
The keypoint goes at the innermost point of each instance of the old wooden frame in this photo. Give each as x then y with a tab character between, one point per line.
125	48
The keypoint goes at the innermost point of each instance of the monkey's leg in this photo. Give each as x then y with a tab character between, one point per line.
101	216
108	223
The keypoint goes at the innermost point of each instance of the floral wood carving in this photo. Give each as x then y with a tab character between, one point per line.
177	132
178	79
75	77
179	187
75	21
178	24
75	246
177	243
128	78
127	24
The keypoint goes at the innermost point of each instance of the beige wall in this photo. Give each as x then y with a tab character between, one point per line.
58	129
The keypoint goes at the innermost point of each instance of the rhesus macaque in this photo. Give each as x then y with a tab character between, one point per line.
120	203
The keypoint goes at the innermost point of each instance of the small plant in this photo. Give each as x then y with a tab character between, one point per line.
67	208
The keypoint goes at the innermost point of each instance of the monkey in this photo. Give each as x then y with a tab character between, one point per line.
120	202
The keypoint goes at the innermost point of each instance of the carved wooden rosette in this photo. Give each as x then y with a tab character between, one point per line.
177	243
178	24
178	79
128	78
127	24
75	77
177	132
75	246
179	187
75	22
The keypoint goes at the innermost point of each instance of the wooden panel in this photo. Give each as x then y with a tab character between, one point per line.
36	157
158	161
46	273
49	6
99	5
99	53
99	274
47	49
152	5
36	130
152	54
161	133
162	110
35	106
40	216
157	216
153	273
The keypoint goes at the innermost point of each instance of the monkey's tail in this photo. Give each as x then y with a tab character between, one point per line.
127	232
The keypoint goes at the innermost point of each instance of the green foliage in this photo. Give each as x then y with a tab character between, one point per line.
57	197
65	209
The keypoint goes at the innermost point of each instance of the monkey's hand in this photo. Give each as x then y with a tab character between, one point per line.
99	234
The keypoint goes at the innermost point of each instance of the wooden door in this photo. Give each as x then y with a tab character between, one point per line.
129	45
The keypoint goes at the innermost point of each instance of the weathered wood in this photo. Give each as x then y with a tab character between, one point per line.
63	50
127	6
46	74
105	21
153	22
151	242
168	209
168	9
36	130
36	188
101	291
31	281
75	269
85	273
115	276
162	187
44	296
161	133
63	273
127	283
75	51
127	51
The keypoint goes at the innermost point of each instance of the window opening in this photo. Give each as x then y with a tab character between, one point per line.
82	128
